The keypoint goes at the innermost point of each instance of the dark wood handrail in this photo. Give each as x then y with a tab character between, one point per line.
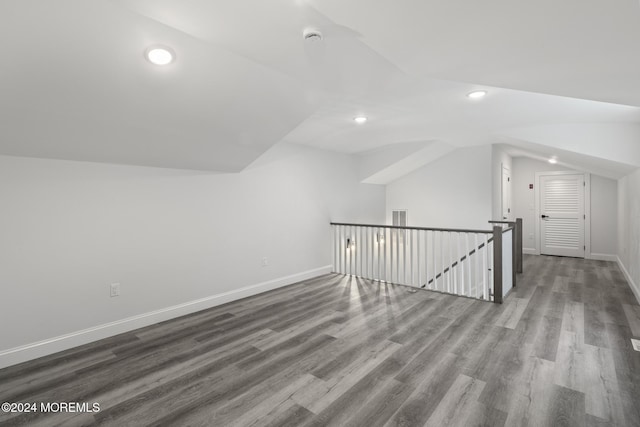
512	225
400	227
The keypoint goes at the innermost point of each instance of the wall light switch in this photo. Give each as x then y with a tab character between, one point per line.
265	261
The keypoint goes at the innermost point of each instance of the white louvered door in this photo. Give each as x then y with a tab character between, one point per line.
562	215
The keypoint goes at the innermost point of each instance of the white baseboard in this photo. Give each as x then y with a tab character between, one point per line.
52	345
634	287
595	256
603	257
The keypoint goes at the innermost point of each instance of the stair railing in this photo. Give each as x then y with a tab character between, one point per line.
472	263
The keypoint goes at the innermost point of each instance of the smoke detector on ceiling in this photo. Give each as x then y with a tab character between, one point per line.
312	35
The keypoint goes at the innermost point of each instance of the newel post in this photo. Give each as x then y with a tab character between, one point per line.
497	264
518	238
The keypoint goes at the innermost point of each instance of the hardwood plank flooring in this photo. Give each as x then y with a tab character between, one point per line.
343	351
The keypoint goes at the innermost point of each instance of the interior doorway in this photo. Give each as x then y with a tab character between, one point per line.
561	214
506	194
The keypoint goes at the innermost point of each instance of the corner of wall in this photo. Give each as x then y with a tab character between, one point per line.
628	229
634	286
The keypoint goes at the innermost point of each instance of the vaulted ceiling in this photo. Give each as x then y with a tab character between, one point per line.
562	79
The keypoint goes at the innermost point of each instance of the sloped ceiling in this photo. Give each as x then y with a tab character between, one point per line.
563	78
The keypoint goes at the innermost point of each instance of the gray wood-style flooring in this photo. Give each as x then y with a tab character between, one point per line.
343	351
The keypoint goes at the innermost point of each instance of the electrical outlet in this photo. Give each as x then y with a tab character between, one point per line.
115	289
265	261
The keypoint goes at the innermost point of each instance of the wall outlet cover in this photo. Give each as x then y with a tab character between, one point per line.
114	289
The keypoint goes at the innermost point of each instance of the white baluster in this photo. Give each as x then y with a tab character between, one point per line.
347	257
372	248
426	257
397	279
406	251
378	244
367	253
411	253
355	250
391	254
350	248
390	258
465	276
448	263
361	251
384	255
469	265
460	264
418	257
339	248
454	259
491	272
354	255
485	267
478	264
434	256
341	245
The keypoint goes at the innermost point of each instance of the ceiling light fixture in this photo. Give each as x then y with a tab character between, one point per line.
360	120
477	94
553	160
160	55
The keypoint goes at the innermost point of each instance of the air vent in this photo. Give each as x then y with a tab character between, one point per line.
399	217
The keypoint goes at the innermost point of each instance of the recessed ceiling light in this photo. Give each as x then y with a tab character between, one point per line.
360	120
312	35
159	55
477	94
553	161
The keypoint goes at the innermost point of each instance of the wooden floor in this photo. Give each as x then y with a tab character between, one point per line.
343	351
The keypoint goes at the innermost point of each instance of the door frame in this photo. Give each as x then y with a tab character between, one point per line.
587	208
509	192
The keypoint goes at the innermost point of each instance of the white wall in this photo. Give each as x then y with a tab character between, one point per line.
499	158
69	229
453	191
604	216
603	206
629	229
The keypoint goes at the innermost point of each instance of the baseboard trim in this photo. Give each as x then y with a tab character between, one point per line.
634	287
53	345
530	251
603	257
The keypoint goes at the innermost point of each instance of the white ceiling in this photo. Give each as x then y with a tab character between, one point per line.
563	79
